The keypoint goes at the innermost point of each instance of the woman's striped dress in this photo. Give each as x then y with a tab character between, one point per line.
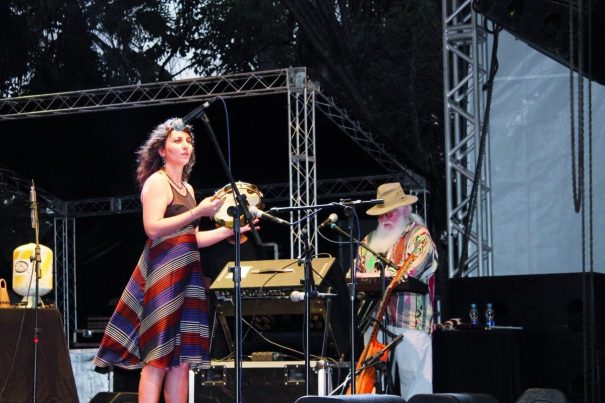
161	318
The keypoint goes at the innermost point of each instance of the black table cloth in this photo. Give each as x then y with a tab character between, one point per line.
55	379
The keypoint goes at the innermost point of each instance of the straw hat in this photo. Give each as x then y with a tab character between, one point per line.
393	196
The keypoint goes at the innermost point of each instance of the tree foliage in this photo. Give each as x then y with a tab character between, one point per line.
380	59
61	45
232	36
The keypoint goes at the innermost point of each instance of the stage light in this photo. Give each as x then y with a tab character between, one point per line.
24	280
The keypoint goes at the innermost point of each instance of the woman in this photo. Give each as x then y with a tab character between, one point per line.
160	323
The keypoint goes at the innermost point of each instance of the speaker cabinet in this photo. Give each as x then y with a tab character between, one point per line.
115	397
544	25
352	398
536	395
265	381
453	398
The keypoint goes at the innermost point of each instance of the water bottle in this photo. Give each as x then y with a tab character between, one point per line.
490	316
473	315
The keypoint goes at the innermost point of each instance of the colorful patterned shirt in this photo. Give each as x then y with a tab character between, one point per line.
408	310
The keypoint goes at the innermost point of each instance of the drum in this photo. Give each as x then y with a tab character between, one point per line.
226	194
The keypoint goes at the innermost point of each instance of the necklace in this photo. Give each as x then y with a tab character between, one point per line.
179	187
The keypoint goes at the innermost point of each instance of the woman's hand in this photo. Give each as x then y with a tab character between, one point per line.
210	237
208	207
246	228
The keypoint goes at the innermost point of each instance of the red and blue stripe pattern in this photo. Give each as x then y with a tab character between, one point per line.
161	318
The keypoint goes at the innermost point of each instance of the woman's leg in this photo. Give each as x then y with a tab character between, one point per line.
150	384
176	389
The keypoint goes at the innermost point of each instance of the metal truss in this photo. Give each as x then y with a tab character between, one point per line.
302	174
357	187
132	203
337	188
464	72
132	96
367	141
65	271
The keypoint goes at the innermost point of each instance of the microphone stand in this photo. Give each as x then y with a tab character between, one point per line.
382	261
310	291
35	259
383	287
375	359
235	212
349	211
242	207
379	256
342	203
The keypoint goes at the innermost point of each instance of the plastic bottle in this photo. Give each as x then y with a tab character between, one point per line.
473	315
490	316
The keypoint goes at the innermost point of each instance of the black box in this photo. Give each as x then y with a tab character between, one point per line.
265	381
551	306
552	303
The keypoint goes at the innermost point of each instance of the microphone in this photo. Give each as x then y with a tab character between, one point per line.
297	296
197	112
261	214
332	218
33	205
371	202
207	104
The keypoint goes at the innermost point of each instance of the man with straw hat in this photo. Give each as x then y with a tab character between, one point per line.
399	234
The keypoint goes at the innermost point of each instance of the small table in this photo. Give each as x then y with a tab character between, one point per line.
499	362
55	377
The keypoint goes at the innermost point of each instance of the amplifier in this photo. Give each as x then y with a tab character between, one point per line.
92	334
268	306
223	295
85	338
266	382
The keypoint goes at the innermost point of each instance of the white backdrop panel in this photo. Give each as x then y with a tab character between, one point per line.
536	229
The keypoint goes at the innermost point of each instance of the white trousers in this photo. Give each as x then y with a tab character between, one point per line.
413	362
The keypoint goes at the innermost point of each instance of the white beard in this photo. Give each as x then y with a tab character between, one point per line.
384	238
